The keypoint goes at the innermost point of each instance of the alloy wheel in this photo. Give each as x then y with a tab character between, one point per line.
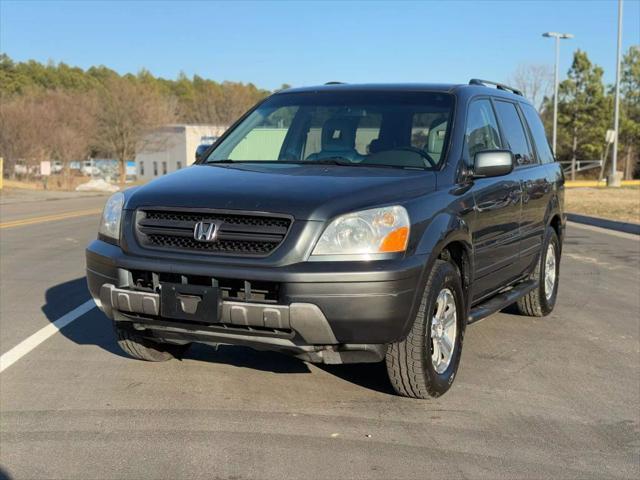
444	326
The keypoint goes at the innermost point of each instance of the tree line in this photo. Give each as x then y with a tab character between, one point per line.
585	109
65	113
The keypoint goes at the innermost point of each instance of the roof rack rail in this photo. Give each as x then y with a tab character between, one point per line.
335	83
499	86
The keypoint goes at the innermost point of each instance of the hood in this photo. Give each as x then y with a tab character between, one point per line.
308	192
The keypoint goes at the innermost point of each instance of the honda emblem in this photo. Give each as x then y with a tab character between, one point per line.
205	231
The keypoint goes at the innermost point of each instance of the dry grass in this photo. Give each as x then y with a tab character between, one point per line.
613	203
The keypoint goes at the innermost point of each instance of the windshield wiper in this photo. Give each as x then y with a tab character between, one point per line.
333	161
340	161
347	163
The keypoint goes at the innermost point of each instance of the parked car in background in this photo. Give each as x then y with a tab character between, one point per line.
342	223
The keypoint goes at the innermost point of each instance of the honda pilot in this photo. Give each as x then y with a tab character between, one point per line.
339	224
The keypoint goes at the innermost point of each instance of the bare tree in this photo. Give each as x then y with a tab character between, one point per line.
203	107
128	112
235	100
535	81
22	128
72	126
50	125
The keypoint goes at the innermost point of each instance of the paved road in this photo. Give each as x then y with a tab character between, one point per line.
557	397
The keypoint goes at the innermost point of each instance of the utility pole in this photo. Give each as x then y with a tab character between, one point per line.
558	37
614	179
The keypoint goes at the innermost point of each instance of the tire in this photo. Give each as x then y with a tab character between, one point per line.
144	349
410	362
540	302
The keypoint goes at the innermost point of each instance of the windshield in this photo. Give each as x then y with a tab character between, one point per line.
391	129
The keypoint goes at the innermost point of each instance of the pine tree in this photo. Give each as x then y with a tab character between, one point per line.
629	139
583	112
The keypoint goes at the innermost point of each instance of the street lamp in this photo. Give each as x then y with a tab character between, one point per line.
614	179
558	37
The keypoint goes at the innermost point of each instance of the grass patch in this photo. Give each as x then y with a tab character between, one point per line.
612	203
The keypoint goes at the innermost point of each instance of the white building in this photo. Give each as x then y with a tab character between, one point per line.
173	147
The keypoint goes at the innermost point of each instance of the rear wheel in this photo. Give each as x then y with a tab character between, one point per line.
145	349
540	302
425	363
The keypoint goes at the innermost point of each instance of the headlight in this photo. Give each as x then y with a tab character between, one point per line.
111	216
379	230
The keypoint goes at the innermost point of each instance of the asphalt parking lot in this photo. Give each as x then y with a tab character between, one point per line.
555	397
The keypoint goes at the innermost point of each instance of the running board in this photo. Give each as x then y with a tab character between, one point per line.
501	300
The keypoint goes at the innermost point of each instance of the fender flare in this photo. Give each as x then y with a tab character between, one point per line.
443	229
553	209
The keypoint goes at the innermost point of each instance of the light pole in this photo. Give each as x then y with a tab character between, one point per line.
558	37
613	180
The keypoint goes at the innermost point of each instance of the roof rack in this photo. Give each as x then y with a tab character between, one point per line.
499	86
335	83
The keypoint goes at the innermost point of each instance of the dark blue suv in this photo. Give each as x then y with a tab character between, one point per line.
342	223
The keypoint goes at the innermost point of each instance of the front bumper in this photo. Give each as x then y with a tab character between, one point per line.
320	306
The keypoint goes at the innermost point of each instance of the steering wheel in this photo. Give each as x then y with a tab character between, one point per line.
422	153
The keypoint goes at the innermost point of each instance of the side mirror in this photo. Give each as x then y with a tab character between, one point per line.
492	163
200	150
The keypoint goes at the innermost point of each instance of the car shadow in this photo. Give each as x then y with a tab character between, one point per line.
511	310
244	357
372	376
4	474
94	328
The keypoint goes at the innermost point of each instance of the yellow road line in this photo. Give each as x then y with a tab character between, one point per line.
598	183
49	218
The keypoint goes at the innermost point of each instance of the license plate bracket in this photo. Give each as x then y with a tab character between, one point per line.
197	303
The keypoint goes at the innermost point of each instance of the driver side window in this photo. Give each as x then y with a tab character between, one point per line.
482	130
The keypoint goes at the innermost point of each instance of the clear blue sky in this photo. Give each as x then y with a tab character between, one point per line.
302	43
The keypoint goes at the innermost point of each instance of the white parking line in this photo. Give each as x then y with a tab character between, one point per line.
16	353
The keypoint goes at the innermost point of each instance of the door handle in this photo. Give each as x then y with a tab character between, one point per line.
494	204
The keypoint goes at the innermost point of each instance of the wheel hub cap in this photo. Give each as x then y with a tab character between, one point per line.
549	271
444	328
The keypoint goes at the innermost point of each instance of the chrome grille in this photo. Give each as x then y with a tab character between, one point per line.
238	234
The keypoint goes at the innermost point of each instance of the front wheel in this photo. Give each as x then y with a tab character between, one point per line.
144	349
425	363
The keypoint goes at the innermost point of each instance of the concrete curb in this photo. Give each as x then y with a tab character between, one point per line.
625	227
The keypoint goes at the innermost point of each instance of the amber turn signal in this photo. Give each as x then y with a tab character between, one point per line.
395	241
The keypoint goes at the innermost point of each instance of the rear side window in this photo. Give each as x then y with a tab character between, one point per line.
482	129
361	129
367	129
514	133
539	137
